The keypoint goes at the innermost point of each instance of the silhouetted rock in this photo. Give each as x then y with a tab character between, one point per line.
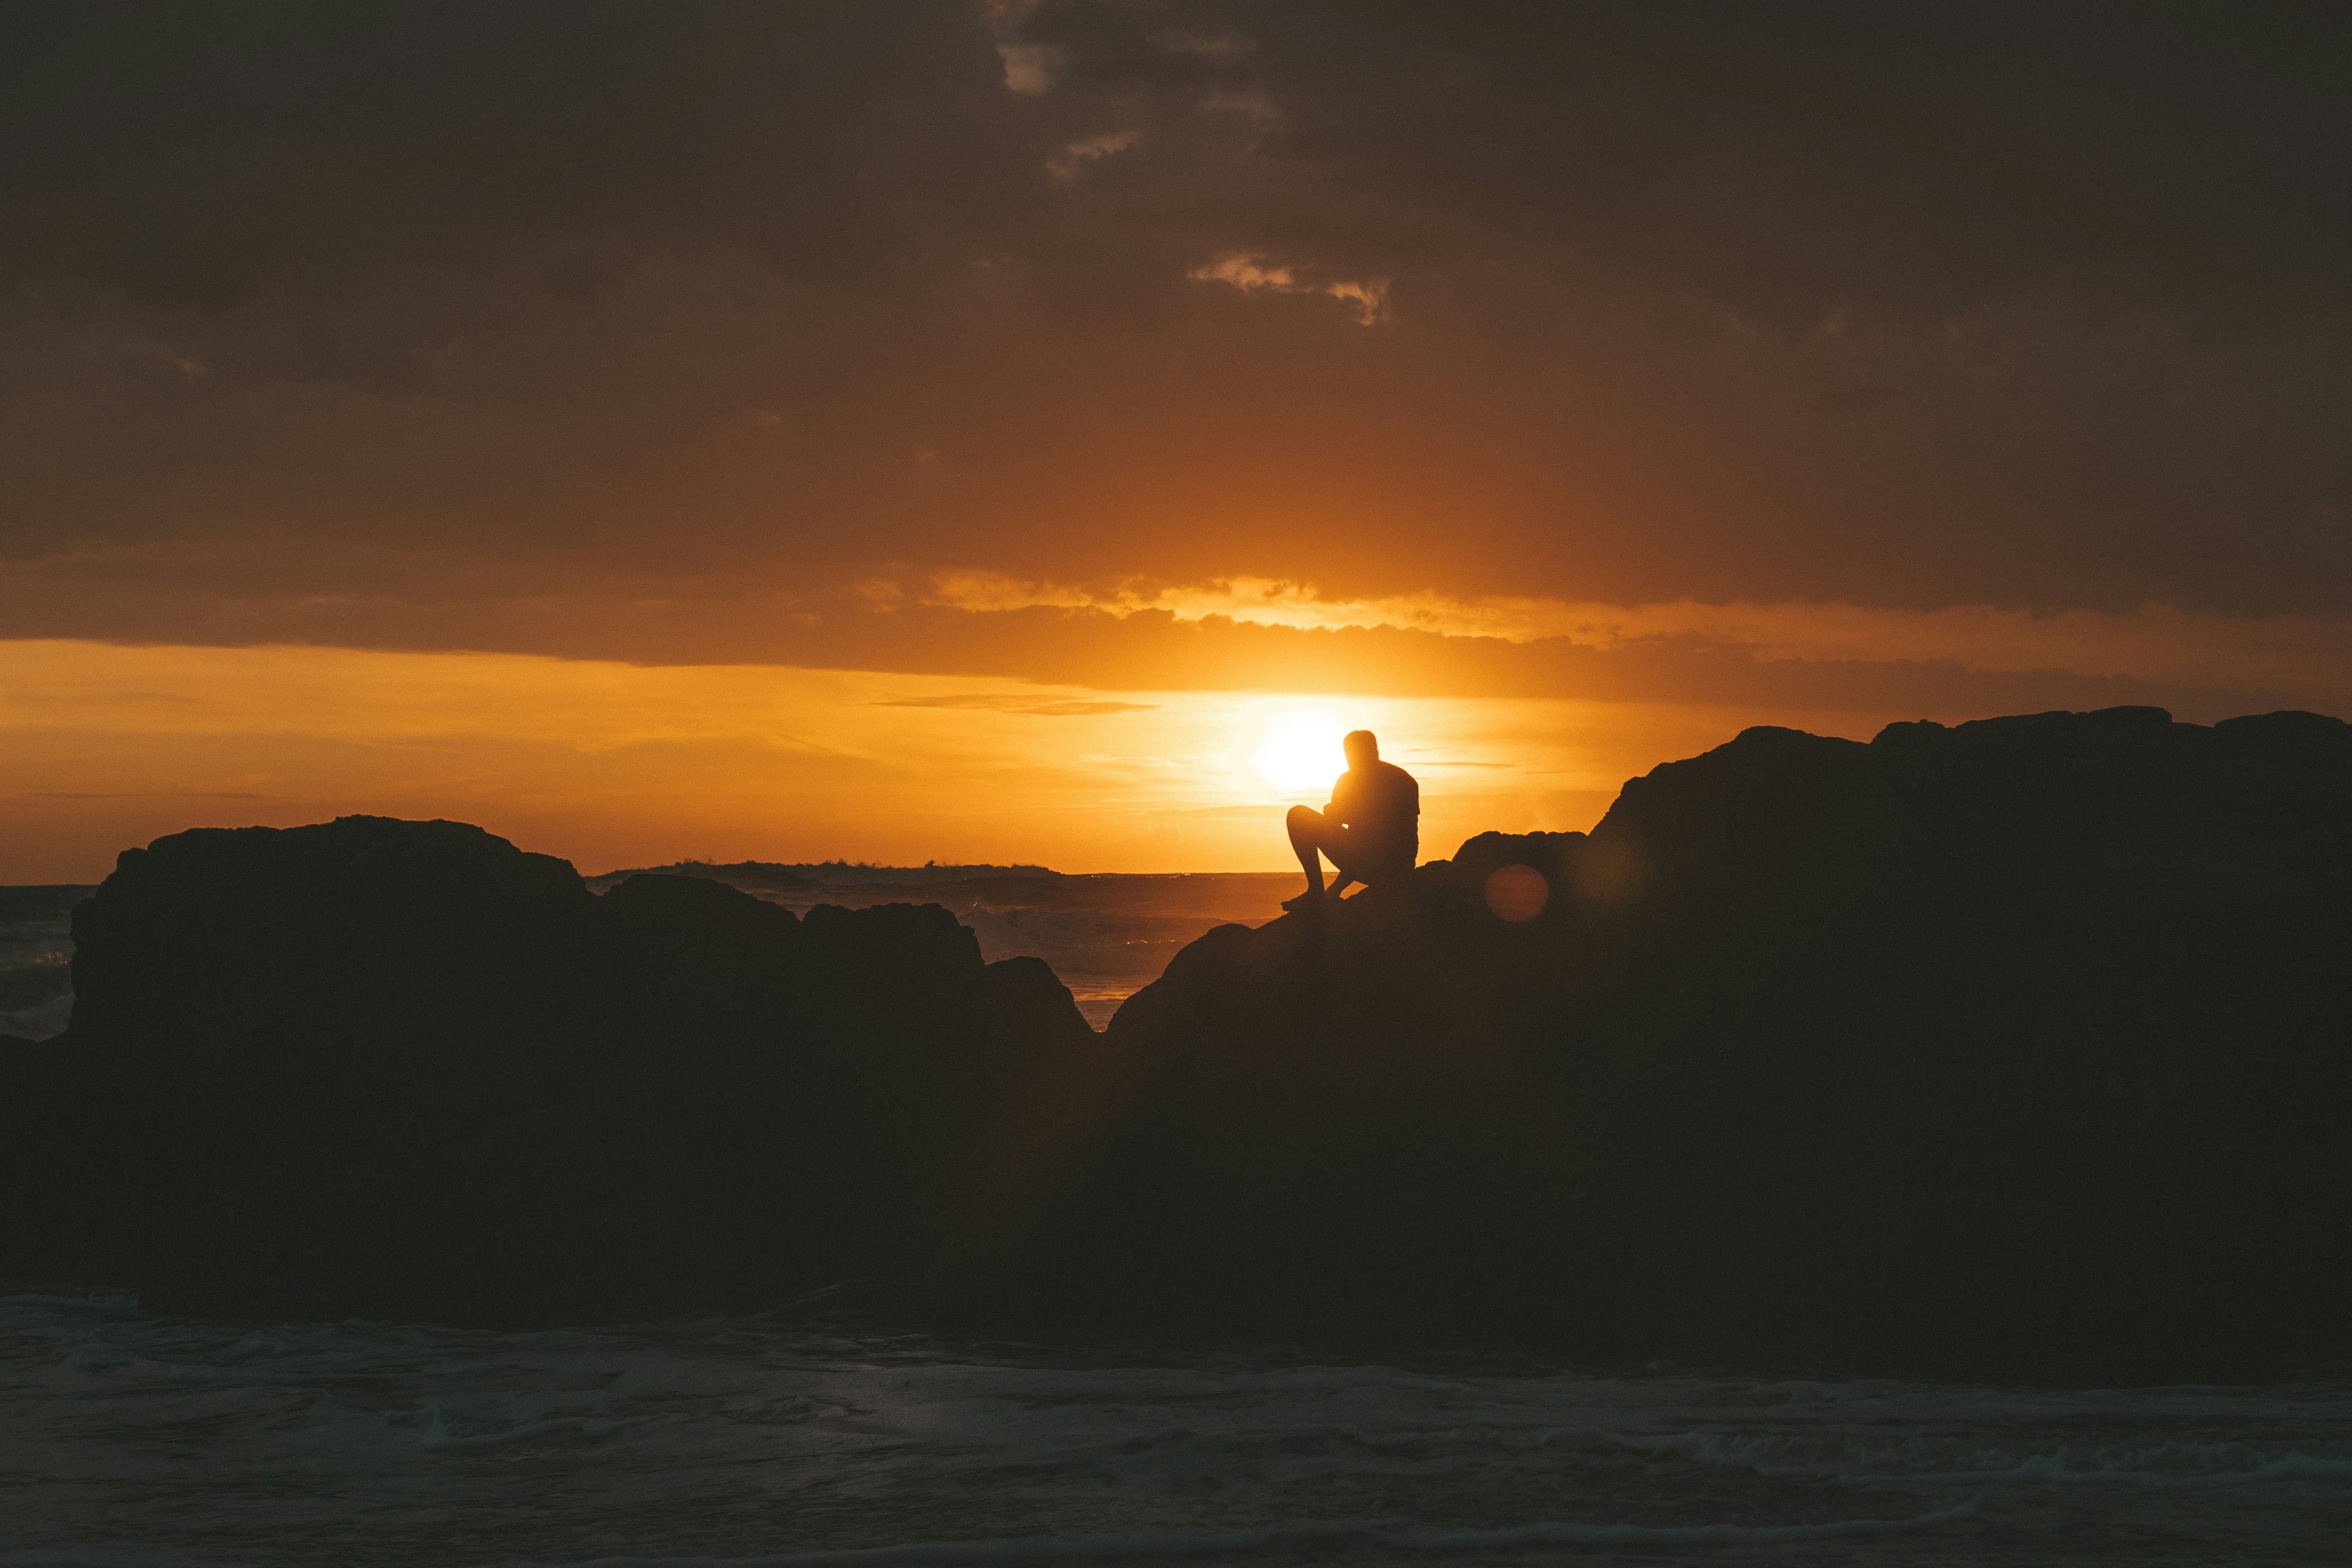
405	1069
2020	1047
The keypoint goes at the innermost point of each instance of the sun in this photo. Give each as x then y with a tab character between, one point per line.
1299	751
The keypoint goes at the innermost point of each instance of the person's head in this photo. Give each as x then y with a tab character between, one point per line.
1362	747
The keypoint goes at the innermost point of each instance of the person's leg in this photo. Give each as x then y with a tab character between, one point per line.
1340	843
1354	859
1306	833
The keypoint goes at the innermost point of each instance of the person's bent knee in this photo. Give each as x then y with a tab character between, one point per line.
1302	817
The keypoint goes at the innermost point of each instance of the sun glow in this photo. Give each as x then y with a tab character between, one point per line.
606	764
1299	750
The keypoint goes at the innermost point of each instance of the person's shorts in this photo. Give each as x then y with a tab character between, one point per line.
1364	858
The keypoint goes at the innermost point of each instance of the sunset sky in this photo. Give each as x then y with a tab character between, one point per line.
1032	432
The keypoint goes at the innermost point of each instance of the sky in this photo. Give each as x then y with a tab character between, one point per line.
968	430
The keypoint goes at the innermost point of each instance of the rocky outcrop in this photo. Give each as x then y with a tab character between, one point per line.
405	1069
2021	1048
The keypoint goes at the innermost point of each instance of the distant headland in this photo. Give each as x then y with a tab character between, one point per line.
753	876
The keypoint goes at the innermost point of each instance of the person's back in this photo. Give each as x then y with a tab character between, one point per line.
1381	803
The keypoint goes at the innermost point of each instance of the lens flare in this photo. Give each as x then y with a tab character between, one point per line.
1518	893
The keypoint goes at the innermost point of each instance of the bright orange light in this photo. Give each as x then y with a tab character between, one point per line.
1300	750
103	746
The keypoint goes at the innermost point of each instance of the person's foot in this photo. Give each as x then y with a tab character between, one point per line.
1312	899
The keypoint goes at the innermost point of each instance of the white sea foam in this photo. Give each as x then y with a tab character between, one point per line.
44	1022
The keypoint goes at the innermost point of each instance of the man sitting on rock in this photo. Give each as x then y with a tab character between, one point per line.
1371	829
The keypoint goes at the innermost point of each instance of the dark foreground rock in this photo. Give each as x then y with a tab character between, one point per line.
2022	1049
403	1069
2018	1048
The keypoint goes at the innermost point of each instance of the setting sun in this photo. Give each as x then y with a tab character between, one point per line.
1299	750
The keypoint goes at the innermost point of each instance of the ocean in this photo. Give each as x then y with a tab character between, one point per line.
767	1441
36	948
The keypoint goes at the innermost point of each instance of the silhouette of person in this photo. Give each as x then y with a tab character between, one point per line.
1371	829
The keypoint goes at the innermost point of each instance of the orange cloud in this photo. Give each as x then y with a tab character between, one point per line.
1367	299
2155	643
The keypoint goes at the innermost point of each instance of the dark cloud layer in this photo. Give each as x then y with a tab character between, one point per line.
2029	305
1149	650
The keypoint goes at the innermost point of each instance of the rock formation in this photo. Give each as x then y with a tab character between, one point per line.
2021	1048
2014	1049
405	1069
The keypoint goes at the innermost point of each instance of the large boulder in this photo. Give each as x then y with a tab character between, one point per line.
405	1069
2022	1047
